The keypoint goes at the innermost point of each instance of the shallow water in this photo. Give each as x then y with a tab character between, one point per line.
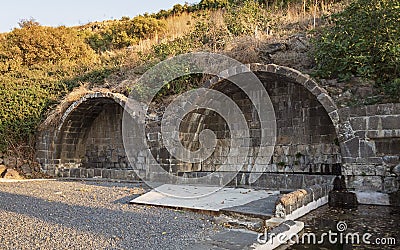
377	224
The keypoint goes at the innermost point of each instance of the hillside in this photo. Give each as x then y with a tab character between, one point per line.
44	69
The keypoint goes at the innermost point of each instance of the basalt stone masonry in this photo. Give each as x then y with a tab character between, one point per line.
88	141
315	140
372	153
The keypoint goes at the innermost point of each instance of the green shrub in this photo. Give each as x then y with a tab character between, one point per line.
54	50
246	18
34	60
363	41
123	33
213	4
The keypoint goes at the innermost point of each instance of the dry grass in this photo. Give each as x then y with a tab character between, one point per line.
54	116
285	24
176	26
296	18
244	49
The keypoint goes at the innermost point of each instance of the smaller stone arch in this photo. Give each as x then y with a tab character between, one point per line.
87	137
117	98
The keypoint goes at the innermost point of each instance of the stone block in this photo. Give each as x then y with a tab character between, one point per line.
65	173
390	184
358	123
391	122
342	199
363	170
385	109
375	160
97	172
365	183
367	149
310	84
358	111
361	134
106	173
289	181
75	172
351	148
374	123
90	173
271	68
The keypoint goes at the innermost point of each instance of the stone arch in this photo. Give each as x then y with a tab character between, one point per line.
88	137
325	109
76	128
296	76
344	130
117	98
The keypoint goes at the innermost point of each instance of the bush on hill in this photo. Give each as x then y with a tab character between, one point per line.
363	41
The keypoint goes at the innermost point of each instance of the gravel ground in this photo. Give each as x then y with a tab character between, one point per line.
92	215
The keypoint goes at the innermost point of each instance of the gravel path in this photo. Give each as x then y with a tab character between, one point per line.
92	215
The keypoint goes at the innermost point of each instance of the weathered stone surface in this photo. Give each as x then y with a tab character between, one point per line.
26	169
12	174
310	129
3	170
289	202
365	183
396	170
342	199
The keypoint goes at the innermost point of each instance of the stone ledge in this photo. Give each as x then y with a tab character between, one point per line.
287	204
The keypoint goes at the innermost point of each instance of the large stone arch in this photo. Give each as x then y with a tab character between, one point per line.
325	113
291	74
273	77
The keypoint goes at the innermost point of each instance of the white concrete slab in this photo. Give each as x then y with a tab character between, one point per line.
373	198
215	201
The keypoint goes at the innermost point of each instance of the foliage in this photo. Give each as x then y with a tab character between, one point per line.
246	18
123	33
55	50
363	41
39	65
33	60
213	4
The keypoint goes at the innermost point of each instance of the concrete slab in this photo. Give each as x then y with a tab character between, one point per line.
233	239
373	198
216	201
262	208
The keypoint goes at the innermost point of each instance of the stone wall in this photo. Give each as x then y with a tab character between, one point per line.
306	137
315	140
28	168
372	154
